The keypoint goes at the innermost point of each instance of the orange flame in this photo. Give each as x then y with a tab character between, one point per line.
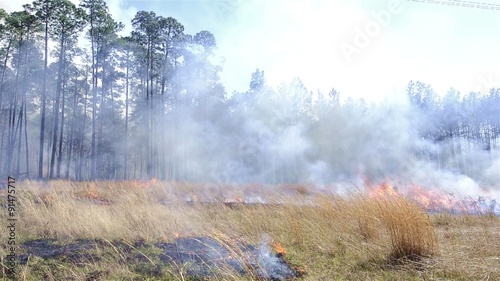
91	194
426	198
383	189
431	200
146	184
279	249
137	184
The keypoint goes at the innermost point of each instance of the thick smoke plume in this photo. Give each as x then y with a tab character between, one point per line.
152	105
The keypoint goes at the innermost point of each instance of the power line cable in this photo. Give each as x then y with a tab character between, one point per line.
462	3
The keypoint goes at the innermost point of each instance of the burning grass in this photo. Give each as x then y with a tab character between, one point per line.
318	236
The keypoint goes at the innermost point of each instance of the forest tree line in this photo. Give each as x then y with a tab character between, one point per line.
151	104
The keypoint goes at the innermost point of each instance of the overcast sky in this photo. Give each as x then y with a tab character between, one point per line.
362	48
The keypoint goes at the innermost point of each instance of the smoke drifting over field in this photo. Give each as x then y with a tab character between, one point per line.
289	135
156	104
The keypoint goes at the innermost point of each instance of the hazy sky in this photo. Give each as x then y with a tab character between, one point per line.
362	48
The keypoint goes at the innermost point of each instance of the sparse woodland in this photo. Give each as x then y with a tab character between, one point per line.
79	101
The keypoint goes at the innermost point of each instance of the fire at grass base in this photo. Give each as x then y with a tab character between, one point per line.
431	200
187	229
435	201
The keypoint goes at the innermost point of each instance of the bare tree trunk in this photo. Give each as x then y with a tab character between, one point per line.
125	158
56	108
44	98
59	156
94	108
19	128
82	137
100	123
72	128
26	138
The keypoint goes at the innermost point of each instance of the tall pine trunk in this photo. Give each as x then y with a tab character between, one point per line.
71	142
44	98
56	107
125	159
59	156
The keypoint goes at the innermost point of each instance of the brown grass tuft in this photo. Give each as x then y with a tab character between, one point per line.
410	228
395	218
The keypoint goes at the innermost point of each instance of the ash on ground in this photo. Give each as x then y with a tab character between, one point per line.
204	256
198	257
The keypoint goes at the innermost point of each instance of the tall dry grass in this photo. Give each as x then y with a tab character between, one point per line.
324	235
405	225
124	210
410	229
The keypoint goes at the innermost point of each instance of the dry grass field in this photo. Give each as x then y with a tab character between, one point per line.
321	237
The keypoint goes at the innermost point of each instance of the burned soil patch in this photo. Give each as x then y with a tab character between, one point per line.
79	251
198	257
204	256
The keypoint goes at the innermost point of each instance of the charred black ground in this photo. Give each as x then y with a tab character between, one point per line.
197	257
